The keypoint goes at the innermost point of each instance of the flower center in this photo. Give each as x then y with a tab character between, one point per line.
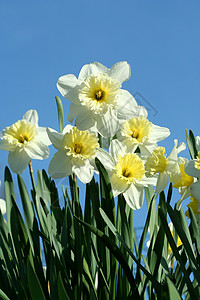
136	129
129	168
20	132
99	92
80	144
157	163
185	179
99	95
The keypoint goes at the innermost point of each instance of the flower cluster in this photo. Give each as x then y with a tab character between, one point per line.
100	108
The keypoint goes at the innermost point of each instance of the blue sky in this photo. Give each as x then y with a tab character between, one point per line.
43	40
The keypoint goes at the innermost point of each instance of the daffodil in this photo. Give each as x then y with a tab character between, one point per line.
97	99
127	173
184	183
140	132
76	153
167	168
25	141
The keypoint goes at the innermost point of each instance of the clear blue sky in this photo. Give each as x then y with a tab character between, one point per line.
42	40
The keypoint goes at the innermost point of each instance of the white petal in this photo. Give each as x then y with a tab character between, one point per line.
67	128
56	138
68	86
198	143
106	159
3	206
158	133
60	165
84	173
191	170
36	149
161	183
146	149
93	69
107	124
126	106
43	136
74	110
176	150
31	116
117	148
134	196
7	144
84	121
195	190
120	71
18	161
141	111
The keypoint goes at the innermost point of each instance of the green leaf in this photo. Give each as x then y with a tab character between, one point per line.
116	252
3	295
173	293
116	233
190	139
34	284
62	294
60	113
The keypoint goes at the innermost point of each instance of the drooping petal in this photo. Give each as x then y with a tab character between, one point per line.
158	133
141	112
68	86
55	138
18	160
134	196
126	106
60	165
84	173
161	183
36	149
120	71
31	116
107	124
93	68
43	136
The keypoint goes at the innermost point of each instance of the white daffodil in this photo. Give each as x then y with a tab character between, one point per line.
25	141
168	168
97	99
139	132
126	172
2	205
76	152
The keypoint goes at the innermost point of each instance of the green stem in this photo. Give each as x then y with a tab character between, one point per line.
32	175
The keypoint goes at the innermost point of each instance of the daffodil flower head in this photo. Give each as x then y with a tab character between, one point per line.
140	132
197	162
167	167
127	173
99	93
185	179
24	140
97	100
76	153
